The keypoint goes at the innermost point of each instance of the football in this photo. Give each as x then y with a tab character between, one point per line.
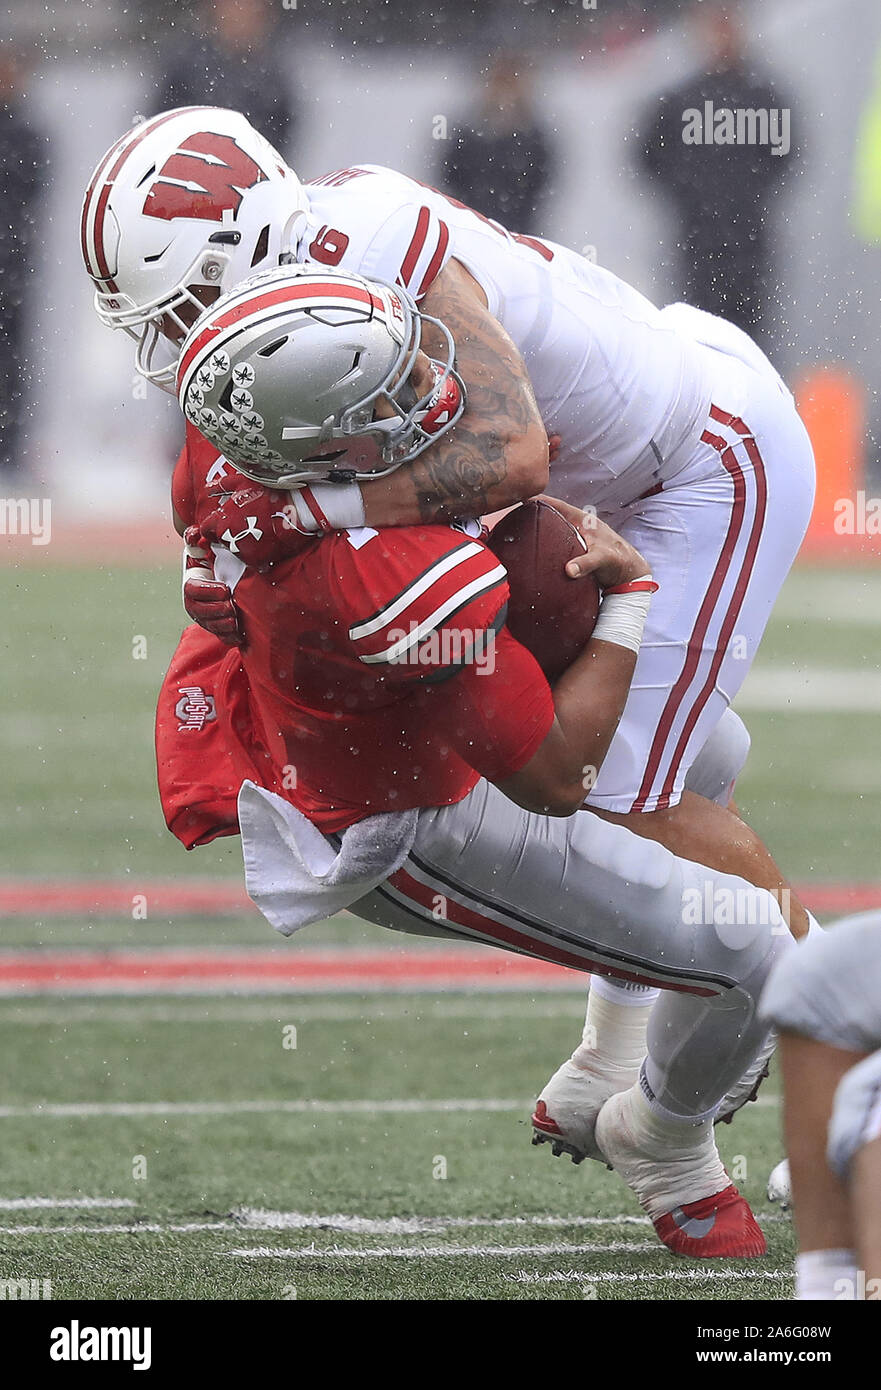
551	614
780	1186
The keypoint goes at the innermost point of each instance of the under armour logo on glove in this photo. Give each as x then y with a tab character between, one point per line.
257	524
251	529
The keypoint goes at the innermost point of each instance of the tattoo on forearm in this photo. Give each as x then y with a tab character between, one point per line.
456	480
458	474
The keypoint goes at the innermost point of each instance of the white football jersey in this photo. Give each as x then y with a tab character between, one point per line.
626	391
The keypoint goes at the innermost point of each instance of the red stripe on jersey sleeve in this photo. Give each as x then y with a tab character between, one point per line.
436	261
415	249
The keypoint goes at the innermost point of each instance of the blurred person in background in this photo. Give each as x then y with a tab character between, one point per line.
231	61
23	163
722	193
501	161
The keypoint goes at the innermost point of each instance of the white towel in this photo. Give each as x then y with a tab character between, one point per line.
296	876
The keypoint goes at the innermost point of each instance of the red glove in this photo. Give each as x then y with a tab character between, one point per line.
207	601
256	524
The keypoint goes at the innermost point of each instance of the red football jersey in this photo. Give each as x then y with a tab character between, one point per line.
380	675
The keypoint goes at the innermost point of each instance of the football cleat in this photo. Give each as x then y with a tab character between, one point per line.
677	1176
547	1131
717	1227
566	1113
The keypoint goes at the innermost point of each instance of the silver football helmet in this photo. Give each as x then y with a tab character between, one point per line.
284	375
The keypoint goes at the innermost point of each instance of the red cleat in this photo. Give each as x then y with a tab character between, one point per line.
721	1226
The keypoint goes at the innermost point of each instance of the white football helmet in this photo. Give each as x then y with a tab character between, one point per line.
284	375
193	199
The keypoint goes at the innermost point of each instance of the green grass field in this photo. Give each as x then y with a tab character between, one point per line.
386	1156
452	1203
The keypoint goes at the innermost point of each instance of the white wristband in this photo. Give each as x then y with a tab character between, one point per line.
198	564
622	615
329	507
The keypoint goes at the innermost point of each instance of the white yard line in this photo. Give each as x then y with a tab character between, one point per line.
130	1229
256	1219
253	1219
575	1276
437	1252
812	689
137	1109
81	1203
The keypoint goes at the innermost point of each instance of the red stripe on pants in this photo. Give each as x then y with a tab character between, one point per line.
512	940
740	588
702	623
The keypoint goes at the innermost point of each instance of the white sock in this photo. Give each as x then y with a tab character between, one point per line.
615	1026
824	1275
666	1160
668	1122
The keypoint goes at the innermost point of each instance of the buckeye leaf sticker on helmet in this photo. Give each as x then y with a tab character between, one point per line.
318	381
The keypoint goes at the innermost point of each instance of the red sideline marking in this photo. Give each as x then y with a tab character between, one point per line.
97	544
21	897
142	971
109	898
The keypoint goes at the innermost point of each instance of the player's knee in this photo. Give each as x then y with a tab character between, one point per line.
742	925
856	1114
721	760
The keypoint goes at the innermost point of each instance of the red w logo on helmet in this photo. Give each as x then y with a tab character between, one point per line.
206	175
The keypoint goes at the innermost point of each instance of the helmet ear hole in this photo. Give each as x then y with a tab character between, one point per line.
261	250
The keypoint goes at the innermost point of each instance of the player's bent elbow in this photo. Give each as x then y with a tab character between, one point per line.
549	799
565	802
551	783
528	463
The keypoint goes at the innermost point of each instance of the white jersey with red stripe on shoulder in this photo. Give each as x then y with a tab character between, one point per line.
379	223
419	601
624	387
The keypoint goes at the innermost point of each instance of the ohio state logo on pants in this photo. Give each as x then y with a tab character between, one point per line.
194	709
